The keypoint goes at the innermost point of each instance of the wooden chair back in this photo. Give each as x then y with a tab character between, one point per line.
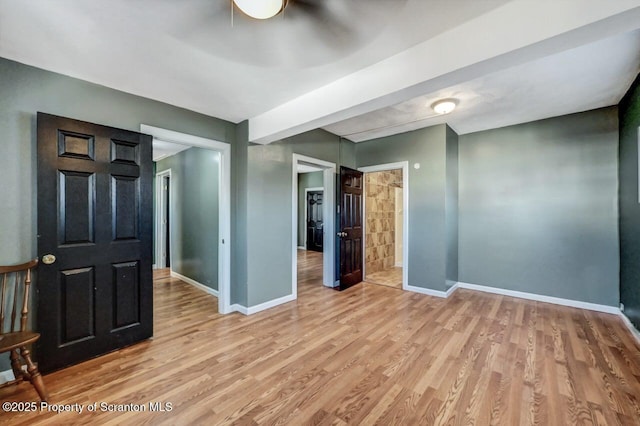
14	299
14	334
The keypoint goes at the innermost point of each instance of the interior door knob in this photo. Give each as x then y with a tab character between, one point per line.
48	259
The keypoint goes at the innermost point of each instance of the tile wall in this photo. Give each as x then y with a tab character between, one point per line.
380	219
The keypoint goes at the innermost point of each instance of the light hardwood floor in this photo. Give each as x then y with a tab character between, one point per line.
370	354
391	277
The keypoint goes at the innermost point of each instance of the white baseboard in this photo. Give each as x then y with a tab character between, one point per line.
301	248
263	306
239	308
195	283
634	331
154	266
542	298
427	291
518	294
6	376
451	289
270	304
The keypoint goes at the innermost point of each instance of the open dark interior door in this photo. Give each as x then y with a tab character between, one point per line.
349	233
95	290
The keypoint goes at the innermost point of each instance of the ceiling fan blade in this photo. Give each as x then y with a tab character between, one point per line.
309	5
327	24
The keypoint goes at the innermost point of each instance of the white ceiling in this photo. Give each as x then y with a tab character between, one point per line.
305	168
306	70
580	79
163	149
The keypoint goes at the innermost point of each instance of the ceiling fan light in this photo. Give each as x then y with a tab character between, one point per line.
260	9
444	106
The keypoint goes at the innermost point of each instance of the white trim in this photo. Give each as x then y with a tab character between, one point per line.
634	331
451	289
301	248
427	291
224	213
397	236
542	298
306	211
521	295
262	306
270	304
239	308
404	165
154	266
328	261
195	283
182	138
160	216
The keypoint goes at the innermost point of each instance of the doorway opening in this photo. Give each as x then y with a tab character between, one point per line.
310	208
313	218
163	220
198	184
386	224
314	230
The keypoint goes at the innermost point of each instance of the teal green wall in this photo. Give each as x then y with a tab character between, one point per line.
306	180
428	239
451	207
195	179
629	113
239	202
538	207
269	205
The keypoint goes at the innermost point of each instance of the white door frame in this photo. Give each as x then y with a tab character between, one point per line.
160	217
328	261
404	165
224	204
306	205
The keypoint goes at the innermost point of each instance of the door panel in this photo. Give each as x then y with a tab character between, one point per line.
126	283
315	224
77	304
77	208
94	216
125	207
350	233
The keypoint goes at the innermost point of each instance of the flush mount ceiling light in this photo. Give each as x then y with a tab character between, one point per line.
261	9
444	106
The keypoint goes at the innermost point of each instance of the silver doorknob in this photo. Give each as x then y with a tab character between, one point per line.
48	259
